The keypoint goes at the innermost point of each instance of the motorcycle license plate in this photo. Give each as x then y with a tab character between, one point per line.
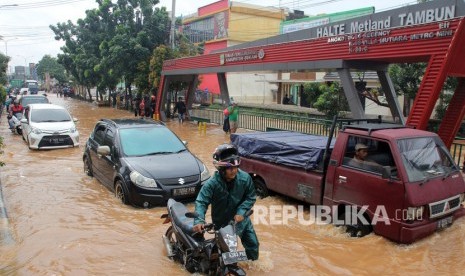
186	191
234	257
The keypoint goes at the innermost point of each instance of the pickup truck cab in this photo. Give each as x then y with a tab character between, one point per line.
409	188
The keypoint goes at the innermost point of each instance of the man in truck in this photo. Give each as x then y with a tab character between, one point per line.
360	158
231	194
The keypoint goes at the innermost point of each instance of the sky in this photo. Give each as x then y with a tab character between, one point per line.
26	36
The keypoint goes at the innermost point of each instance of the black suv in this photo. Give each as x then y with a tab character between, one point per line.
143	162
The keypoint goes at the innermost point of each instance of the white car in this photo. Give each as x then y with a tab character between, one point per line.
48	126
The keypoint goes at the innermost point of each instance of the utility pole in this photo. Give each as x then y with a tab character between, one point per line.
173	23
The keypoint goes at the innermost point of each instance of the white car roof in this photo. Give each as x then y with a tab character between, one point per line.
45	106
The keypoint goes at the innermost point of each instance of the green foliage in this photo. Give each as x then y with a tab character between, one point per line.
445	97
406	78
312	92
1	150
159	55
2	94
3	67
331	101
50	65
113	42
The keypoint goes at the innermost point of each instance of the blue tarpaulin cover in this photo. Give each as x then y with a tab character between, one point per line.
288	148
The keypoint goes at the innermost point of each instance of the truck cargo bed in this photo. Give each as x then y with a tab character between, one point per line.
288	148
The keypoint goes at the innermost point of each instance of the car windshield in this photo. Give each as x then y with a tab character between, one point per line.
149	141
425	158
26	101
50	115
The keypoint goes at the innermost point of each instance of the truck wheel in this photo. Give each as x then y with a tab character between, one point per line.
355	229
260	188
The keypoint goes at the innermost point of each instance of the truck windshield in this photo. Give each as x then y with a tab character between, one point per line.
425	158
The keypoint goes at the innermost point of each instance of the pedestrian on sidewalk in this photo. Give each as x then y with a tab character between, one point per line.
181	108
233	116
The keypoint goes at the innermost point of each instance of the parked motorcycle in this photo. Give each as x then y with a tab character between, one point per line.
215	256
15	121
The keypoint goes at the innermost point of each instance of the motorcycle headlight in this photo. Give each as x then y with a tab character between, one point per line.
205	174
36	131
142	181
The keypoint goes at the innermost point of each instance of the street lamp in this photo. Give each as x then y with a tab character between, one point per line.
264	77
6	44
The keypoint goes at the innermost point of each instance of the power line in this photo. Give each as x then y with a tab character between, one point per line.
42	4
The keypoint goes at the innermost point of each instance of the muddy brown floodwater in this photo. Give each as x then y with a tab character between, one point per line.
65	223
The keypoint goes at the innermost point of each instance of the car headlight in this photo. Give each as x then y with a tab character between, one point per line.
142	181
72	130
36	131
205	174
415	213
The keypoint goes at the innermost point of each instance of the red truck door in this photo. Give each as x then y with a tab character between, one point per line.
361	183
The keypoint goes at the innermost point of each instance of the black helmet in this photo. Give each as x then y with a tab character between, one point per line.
225	156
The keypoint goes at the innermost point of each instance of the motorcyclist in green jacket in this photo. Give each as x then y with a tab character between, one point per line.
231	194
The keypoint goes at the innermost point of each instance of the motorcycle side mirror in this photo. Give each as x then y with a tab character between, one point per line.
192	215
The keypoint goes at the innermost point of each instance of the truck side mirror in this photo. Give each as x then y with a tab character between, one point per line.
386	172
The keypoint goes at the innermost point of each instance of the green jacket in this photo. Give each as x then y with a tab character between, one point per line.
225	204
233	113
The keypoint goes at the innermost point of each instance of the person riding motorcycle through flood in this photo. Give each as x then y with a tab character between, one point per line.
15	108
231	193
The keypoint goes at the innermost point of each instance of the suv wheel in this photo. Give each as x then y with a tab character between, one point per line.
120	193
88	167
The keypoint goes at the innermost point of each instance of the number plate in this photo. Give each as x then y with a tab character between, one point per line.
445	222
56	140
186	191
234	257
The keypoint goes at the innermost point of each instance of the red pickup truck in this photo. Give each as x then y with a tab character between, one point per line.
408	174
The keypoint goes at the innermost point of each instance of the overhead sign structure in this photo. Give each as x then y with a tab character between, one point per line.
431	32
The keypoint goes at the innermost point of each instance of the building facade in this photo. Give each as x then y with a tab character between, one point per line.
227	23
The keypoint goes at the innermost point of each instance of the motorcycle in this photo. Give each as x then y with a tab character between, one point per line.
15	121
214	256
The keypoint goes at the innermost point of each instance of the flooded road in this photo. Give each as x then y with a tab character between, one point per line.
65	223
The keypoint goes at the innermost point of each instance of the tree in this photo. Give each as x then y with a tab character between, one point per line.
406	79
312	92
3	81
159	55
331	102
3	68
113	43
50	65
445	97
